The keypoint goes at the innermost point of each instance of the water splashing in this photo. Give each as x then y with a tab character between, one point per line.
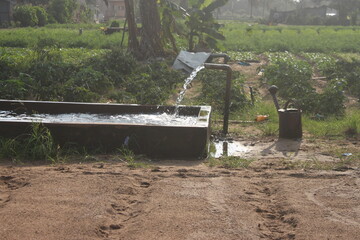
147	119
185	86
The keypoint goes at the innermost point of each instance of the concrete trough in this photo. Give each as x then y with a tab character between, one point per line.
153	140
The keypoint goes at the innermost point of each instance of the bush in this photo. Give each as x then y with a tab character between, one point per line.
213	90
41	15
38	144
47	42
292	77
49	73
77	75
6	68
152	83
26	16
114	24
62	10
91	80
78	94
12	89
116	64
331	101
349	71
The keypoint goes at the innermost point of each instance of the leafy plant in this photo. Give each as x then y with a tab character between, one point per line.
202	24
91	80
348	70
38	144
41	15
213	90
230	162
12	89
331	101
26	15
61	11
152	83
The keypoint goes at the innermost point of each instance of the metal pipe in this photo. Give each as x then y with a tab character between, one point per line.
218	55
228	70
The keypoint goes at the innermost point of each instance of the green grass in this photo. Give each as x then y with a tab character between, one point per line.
19	57
38	144
239	36
133	161
61	37
229	162
342	162
346	126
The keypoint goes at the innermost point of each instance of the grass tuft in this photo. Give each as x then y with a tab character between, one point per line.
229	162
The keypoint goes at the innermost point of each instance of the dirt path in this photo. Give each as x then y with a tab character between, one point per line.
177	200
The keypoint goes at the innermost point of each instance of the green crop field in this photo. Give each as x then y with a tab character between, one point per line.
239	37
260	38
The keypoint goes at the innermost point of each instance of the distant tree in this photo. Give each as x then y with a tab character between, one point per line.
203	29
151	43
90	2
42	15
253	3
26	16
62	11
33	2
347	9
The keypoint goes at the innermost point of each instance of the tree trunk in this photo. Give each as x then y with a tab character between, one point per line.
151	44
133	43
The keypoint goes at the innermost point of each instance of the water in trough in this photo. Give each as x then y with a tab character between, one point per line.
148	119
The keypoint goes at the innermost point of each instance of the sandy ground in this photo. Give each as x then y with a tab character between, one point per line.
184	199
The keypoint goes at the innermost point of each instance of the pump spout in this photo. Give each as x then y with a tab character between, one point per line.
218	55
228	70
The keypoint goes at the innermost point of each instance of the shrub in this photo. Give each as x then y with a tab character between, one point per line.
114	24
12	89
41	15
292	77
26	15
49	73
116	64
6	68
152	83
331	101
38	144
47	42
62	10
92	80
213	90
349	71
78	94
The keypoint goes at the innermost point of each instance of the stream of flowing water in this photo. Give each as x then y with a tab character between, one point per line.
185	87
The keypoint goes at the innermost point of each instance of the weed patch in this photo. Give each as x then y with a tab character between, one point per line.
229	162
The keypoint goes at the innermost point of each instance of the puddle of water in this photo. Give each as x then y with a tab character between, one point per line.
229	148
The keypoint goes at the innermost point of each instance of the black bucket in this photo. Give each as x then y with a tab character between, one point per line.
290	126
